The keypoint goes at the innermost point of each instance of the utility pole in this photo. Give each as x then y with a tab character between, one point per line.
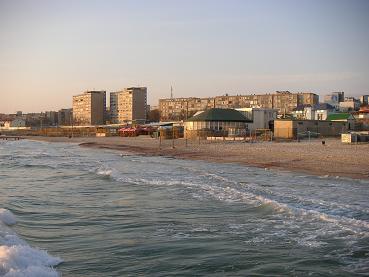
72	125
159	140
41	126
173	136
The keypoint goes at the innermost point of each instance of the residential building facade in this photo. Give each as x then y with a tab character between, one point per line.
128	105
65	117
16	123
334	99
283	101
364	99
262	118
51	118
315	112
89	108
350	104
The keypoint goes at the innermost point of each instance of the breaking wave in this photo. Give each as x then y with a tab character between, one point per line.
17	258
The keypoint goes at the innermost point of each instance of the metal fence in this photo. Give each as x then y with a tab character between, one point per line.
201	137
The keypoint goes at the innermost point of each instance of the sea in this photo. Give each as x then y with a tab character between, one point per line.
66	210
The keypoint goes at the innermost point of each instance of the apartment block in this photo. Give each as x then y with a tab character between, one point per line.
51	118
334	99
350	104
128	105
364	99
89	108
65	117
283	101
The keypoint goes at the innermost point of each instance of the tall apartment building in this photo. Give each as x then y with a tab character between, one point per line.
128	105
89	108
65	117
364	99
51	118
283	101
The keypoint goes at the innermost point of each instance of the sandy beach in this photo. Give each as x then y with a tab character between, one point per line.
332	159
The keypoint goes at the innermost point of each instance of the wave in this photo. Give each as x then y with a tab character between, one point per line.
231	194
17	258
103	172
320	214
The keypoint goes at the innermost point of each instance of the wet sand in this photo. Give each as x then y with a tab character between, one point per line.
332	159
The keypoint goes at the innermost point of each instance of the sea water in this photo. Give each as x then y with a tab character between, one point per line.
72	211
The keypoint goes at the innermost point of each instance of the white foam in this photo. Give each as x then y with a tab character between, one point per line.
17	258
23	260
103	172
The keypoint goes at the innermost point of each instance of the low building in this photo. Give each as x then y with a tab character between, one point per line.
322	111
343	117
15	123
363	112
355	137
303	112
315	112
261	118
214	122
350	104
7	124
293	128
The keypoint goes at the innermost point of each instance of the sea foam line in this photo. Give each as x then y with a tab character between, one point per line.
229	193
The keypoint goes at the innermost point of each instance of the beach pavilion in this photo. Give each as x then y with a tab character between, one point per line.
216	122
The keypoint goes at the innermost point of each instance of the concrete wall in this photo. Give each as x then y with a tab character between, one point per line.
284	129
290	129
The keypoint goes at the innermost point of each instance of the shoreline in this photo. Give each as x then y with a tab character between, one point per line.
333	159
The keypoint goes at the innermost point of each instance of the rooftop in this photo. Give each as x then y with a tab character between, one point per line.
217	114
321	106
339	116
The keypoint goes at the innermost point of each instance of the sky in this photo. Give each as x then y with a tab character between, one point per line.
51	50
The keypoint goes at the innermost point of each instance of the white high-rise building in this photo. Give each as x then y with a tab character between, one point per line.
128	105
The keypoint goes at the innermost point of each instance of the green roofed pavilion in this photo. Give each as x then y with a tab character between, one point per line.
217	122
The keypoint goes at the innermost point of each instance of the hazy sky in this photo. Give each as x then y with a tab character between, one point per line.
51	50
